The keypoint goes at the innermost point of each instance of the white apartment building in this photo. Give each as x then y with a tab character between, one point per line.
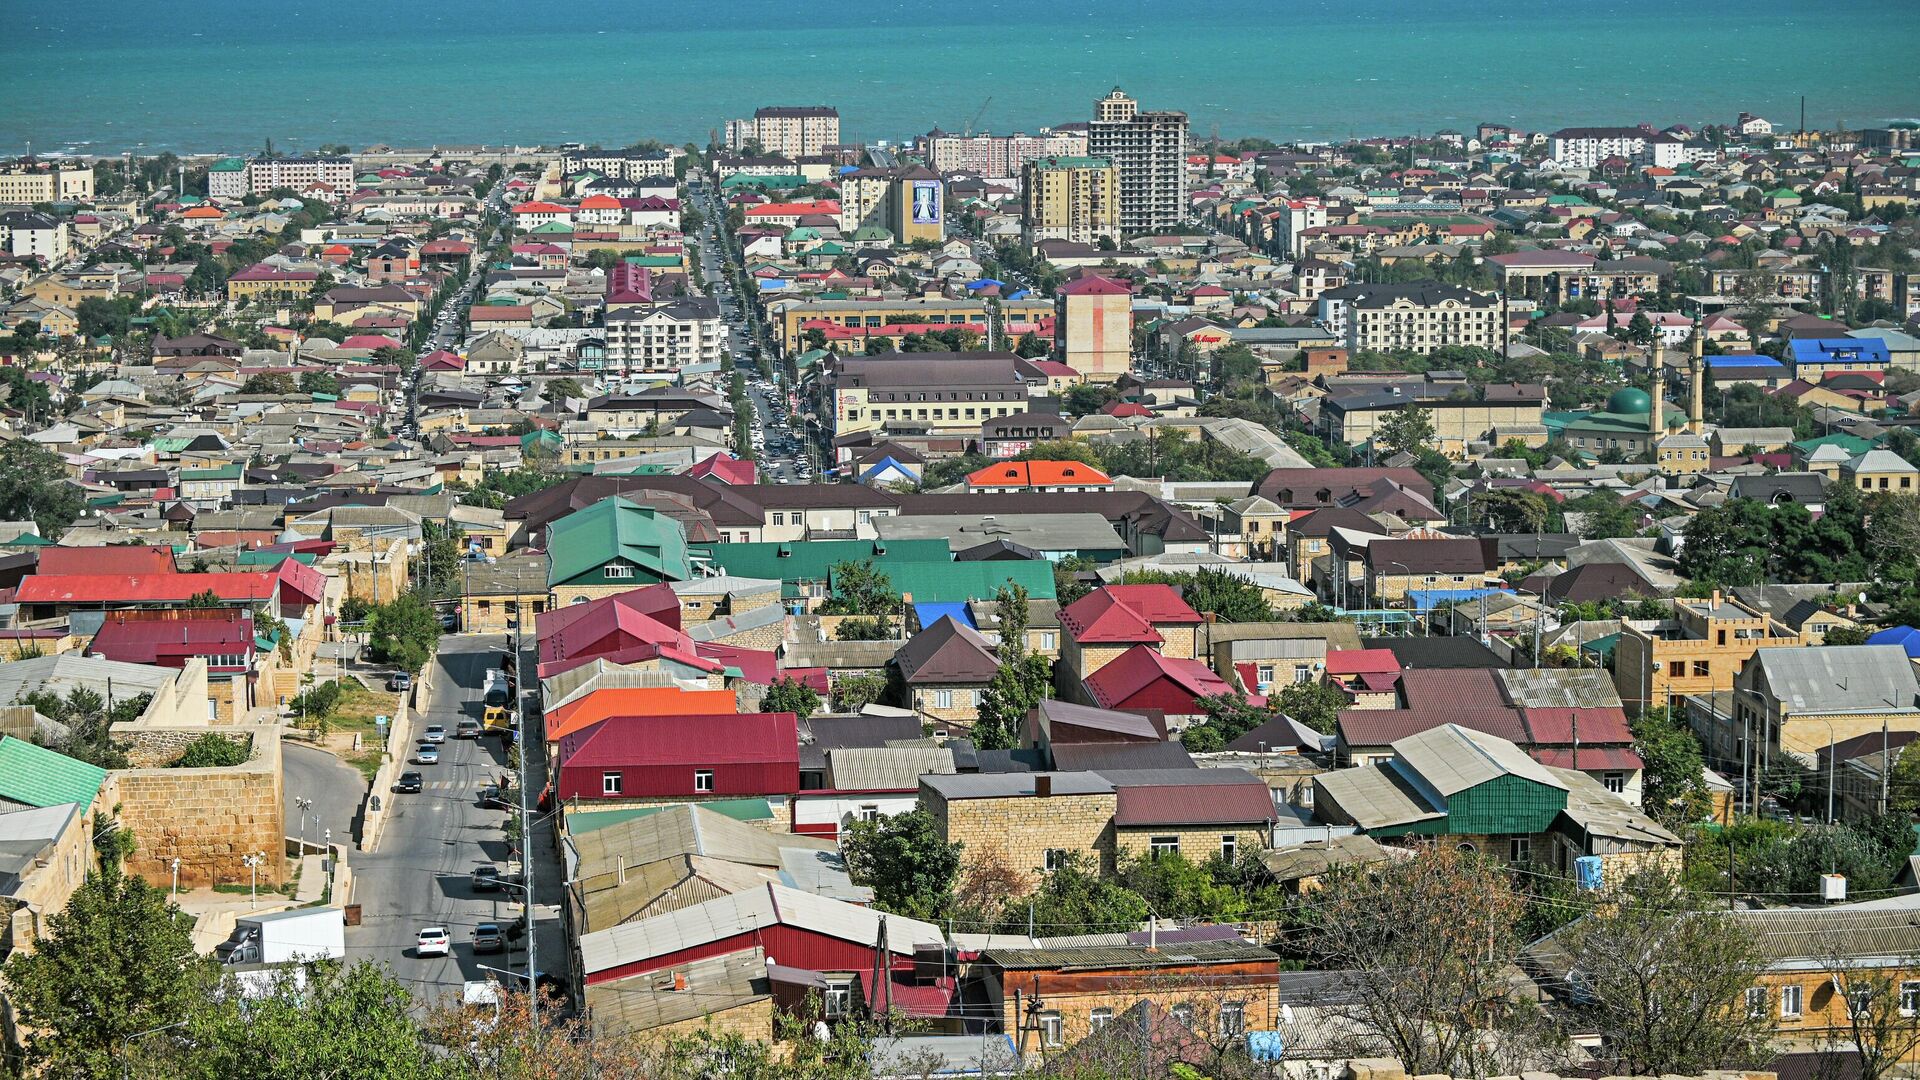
1418	317
1149	149
267	174
23	233
628	165
787	130
22	183
1586	148
665	338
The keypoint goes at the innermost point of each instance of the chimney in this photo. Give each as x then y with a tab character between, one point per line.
1043	785
679	982
1716	598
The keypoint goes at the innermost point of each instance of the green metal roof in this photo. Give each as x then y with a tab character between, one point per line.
229	471
588	821
1046	163
232	164
272	558
792	563
651	260
959	582
28	540
40	777
586	540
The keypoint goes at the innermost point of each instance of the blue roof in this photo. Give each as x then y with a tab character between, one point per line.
984	283
1428	599
1904	636
1843	350
1018	294
1744	361
886	463
929	614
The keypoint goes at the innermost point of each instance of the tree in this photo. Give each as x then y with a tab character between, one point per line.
211	751
119	960
272	382
320	382
1603	516
1172	886
403	632
902	858
1018	684
1211	589
1406	431
437	571
851	693
861	589
1903	781
1425	942
34	487
1315	704
205	600
1673	786
791	695
1664	981
1515	511
1074	899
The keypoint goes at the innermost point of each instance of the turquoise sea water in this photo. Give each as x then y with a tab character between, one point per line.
225	74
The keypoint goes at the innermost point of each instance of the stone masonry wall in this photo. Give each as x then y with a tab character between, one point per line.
1021	829
210	819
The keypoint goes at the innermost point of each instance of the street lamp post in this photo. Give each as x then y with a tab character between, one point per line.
126	1045
253	888
176	879
1406	591
304	805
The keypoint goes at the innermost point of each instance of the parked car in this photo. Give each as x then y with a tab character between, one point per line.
433	941
426	754
485	879
489	938
435	733
399	682
408	784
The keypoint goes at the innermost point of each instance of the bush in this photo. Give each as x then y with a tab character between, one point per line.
212	751
319	701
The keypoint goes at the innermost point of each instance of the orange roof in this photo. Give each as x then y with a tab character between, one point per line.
636	701
539	208
204	212
1038	474
599	202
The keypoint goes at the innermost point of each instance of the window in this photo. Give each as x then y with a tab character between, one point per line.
779	519
868	812
838	997
1302	673
1756	1001
1229	847
943	699
617	570
1860	1003
1264	674
1233	1019
1163	845
1052	1031
1099	1018
1047	640
1676	669
1702	669
1910	998
703	780
1790	1001
1054	858
610	783
1183	1013
1615	782
1520	849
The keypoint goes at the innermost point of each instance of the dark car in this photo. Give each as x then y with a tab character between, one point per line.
489	938
486	879
408	784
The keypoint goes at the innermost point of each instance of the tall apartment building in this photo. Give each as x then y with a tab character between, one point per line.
227	179
268	174
908	203
665	338
1586	148
1149	150
1000	155
628	165
1070	198
787	130
29	182
1418	317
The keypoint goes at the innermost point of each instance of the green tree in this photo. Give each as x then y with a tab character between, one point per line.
791	695
211	751
272	382
1018	684
902	858
34	487
1315	704
320	382
1228	716
1406	431
1603	516
437	571
1903	782
1212	590
119	960
1673	784
861	589
1173	886
1074	899
851	693
403	632
864	628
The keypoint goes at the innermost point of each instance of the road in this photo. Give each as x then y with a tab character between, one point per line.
785	447
334	789
433	840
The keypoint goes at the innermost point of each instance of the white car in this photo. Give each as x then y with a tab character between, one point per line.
433	941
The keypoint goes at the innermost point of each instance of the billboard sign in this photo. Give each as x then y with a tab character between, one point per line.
926	202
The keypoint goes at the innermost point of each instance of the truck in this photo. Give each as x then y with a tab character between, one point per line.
283	936
497	690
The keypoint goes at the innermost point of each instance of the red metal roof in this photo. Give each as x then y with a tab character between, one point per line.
1464	688
1381	727
1594	726
1140	668
1220	803
1156	603
231	587
1361	662
1620	758
115	559
1100	618
683	739
158	641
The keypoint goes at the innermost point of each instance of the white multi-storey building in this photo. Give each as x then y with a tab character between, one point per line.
270	174
665	338
1585	148
1149	149
1418	317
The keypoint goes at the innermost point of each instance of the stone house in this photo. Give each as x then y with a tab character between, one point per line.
943	670
1100	626
1029	821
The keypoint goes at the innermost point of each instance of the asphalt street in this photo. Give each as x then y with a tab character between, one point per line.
334	789
433	840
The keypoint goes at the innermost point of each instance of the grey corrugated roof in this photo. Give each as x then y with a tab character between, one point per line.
1602	813
885	768
1108	957
1559	688
1452	759
1375	797
1840	678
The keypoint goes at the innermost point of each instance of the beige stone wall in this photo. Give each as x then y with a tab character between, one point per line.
1181	641
1197	845
1198	991
965	708
209	819
1084	660
752	1021
1021	829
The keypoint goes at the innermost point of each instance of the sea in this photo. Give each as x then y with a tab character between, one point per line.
106	76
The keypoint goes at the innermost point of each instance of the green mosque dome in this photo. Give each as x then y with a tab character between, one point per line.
1629	401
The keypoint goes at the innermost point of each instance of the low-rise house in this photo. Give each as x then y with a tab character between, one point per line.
1799	700
945	668
679	758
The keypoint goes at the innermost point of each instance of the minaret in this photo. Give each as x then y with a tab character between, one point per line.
1656	422
1697	408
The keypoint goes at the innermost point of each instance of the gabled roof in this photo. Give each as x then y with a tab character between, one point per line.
1189	797
614	701
617	529
687	739
1452	758
113	559
946	652
1141	666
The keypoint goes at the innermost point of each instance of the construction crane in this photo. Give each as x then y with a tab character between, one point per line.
978	113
